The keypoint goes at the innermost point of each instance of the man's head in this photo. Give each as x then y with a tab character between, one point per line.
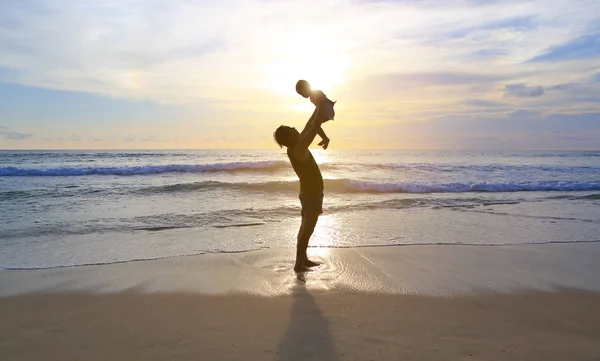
303	88
285	135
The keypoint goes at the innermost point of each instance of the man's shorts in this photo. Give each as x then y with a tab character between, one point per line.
312	203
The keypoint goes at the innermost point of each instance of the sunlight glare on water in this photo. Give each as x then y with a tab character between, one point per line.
93	207
327	231
321	156
319	252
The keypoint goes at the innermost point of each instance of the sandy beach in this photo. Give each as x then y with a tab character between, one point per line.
303	326
535	302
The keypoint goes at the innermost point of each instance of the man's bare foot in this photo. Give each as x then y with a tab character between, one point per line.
301	268
303	265
309	263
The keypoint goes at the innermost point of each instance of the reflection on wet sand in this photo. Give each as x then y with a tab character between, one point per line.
425	270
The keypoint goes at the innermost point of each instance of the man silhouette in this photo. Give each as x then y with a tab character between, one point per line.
311	181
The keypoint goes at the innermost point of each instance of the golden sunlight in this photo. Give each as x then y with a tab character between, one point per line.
320	155
133	80
305	55
321	252
327	233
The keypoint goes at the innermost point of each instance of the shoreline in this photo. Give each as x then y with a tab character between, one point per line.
439	270
392	245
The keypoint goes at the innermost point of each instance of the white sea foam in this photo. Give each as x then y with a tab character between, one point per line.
357	186
141	170
64	208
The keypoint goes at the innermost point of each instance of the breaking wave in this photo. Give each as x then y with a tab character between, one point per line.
356	186
265	166
283	165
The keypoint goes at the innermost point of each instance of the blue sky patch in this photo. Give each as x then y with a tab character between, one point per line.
583	47
24	104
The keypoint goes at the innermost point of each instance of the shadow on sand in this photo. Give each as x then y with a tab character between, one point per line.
307	337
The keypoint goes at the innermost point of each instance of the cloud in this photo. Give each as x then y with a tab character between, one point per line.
577	139
386	62
521	90
518	23
519	129
582	47
141	139
392	82
189	51
15	135
486	54
483	103
8	74
6	133
564	86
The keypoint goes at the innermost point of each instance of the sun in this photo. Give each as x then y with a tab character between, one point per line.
316	58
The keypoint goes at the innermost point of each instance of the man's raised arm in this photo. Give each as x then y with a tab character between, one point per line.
324	138
308	134
310	121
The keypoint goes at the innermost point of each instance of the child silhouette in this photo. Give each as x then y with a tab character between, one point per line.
318	98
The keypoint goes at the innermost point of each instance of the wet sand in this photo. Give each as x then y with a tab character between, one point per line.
536	302
435	270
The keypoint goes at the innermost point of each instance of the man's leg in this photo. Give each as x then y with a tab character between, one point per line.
309	221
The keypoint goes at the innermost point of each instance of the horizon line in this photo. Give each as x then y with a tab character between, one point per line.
345	149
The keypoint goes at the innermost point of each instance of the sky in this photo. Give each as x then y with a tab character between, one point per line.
406	74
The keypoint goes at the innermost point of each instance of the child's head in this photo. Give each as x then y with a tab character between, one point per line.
303	88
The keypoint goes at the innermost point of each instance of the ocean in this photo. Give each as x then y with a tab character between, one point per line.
67	208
